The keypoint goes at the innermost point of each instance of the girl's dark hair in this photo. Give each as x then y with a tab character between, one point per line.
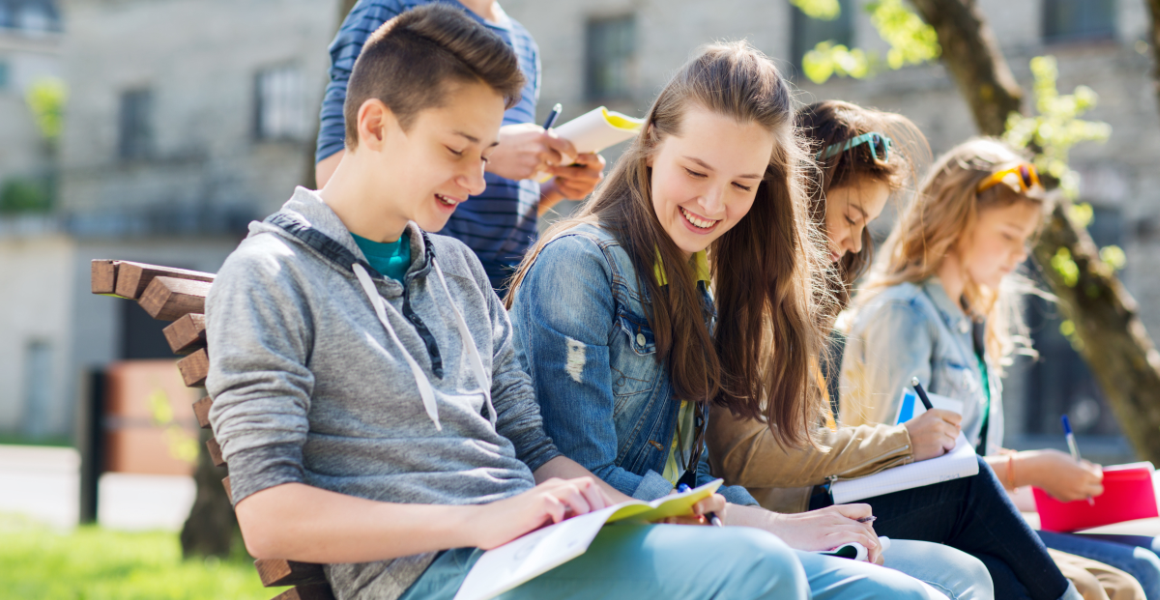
757	360
831	122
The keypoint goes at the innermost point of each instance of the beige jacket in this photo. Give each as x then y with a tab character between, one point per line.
744	452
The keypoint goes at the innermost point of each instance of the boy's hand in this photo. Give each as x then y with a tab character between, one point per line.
933	433
527	149
576	181
550	502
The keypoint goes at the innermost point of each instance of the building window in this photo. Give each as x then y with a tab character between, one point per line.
37	388
1071	20
1060	382
809	32
610	58
280	107
136	124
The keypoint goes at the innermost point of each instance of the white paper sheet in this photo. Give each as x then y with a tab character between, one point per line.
956	464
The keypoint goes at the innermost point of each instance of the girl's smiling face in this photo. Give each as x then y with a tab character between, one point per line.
998	242
849	209
705	178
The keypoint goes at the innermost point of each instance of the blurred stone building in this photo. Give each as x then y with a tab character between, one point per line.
187	118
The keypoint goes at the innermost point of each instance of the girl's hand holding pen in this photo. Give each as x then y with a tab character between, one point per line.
933	433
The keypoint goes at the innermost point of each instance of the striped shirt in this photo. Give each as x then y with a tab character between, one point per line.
499	224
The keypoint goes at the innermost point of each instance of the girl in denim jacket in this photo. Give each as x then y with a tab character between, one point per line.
942	304
616	326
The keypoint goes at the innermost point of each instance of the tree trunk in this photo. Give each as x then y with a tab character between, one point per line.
975	61
1113	340
211	526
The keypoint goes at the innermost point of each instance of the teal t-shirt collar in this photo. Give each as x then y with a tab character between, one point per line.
392	259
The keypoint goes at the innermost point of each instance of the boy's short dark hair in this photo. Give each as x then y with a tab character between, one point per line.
409	62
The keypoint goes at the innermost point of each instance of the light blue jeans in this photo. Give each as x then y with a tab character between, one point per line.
681	562
953	572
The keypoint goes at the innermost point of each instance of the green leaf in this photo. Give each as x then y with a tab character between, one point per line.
46	99
824	10
1057	127
827	60
912	41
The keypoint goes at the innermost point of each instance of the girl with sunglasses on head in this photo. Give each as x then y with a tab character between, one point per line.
626	347
943	304
863	157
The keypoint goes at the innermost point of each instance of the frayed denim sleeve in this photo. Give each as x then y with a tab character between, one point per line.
564	316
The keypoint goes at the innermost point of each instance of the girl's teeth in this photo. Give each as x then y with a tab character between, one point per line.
695	221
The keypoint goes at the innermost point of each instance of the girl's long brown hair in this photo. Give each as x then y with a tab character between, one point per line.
824	124
757	360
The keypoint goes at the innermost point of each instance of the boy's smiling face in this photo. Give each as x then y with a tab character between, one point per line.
426	171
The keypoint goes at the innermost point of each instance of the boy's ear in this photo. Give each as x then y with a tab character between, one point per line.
375	121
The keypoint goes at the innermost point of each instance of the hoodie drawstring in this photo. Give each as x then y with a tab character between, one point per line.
425	390
472	351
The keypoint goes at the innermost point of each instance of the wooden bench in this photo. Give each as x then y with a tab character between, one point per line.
178	295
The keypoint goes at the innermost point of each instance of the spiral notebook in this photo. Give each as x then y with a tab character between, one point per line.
956	464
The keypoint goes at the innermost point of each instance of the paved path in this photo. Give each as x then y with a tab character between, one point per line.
44	484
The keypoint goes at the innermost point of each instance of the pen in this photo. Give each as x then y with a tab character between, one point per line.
713	518
1073	447
921	393
552	116
867	519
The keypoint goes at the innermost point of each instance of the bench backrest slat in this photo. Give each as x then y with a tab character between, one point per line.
134	278
178	295
186	334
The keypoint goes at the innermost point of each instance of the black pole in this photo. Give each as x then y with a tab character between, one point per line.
91	442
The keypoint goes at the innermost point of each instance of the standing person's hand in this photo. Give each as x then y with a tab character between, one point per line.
577	180
527	149
1058	474
933	433
550	502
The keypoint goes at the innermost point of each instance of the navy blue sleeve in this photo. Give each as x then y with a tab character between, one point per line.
363	20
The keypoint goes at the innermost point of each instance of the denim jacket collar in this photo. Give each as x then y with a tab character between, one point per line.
954	317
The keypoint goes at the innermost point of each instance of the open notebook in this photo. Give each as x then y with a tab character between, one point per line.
956	464
501	569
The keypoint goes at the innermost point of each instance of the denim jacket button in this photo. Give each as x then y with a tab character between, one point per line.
640	339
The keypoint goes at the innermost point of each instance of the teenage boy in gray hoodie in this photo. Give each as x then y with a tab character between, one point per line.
367	395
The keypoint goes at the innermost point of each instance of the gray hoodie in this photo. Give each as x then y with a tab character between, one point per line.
326	373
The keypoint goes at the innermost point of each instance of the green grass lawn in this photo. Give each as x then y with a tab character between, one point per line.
90	563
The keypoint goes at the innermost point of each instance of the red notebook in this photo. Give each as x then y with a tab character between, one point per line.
1128	495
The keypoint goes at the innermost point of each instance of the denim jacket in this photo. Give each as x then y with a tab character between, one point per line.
915	330
582	335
